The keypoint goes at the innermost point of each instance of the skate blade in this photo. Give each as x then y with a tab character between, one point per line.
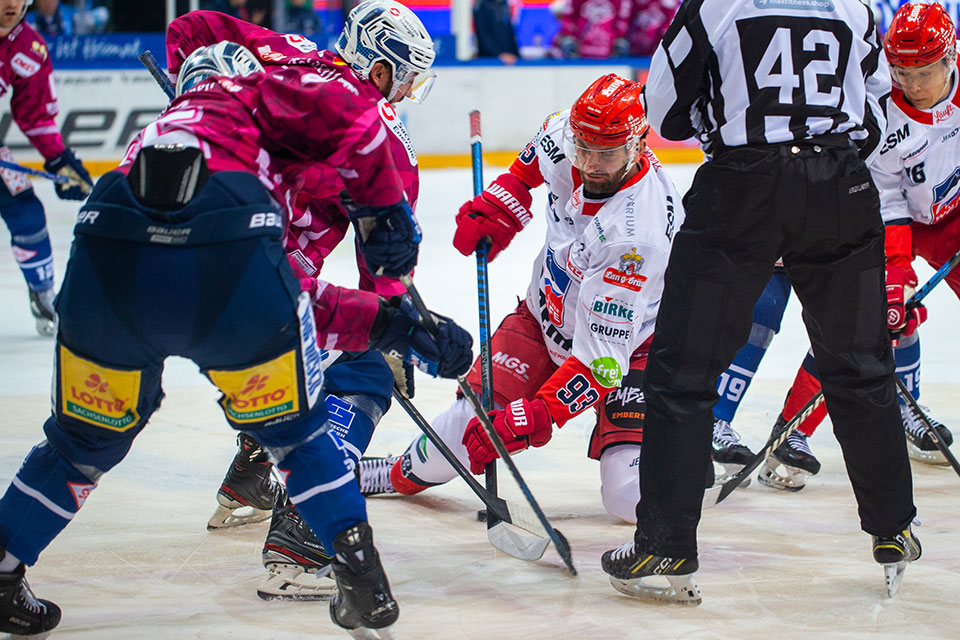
710	496
362	633
294	584
515	542
729	470
226	517
791	479
682	590
935	457
893	573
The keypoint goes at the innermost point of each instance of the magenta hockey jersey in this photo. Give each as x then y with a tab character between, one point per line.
596	24
318	222
26	72
292	115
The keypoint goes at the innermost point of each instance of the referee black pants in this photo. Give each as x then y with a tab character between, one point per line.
817	207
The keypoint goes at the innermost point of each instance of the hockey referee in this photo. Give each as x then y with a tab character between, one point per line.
785	97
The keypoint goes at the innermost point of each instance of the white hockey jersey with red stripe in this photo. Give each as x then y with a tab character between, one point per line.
597	282
918	168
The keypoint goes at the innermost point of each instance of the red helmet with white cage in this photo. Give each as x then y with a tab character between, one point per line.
919	35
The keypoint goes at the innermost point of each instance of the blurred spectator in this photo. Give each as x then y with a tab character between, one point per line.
255	11
592	28
301	18
650	21
496	37
50	19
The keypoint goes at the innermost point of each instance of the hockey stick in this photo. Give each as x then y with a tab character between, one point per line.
483	307
560	542
521	516
925	421
147	59
814	402
13	166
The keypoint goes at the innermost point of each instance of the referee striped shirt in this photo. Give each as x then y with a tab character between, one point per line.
749	72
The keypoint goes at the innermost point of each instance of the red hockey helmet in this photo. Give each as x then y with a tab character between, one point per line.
919	35
609	112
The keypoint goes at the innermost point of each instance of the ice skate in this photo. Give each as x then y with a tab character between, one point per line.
920	445
298	567
373	475
248	490
41	306
893	553
628	568
363	604
21	613
791	463
729	452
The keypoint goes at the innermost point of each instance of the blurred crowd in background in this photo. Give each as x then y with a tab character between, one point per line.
505	29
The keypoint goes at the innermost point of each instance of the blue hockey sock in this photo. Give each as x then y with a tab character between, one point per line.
42	499
29	241
906	355
321	483
350	418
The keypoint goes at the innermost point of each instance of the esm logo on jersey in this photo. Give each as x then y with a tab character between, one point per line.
896	138
945	196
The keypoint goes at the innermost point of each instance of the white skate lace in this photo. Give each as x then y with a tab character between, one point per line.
375	474
29	600
798	442
912	423
724	435
623	551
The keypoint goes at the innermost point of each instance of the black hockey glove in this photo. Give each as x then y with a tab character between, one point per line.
389	238
399	332
69	166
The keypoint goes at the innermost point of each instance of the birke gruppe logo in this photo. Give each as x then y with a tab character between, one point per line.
96	394
259	393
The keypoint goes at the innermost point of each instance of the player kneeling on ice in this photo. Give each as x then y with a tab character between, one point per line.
579	339
172	270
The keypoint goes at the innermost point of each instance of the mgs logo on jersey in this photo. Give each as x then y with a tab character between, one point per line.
625	275
259	393
945	196
98	395
556	281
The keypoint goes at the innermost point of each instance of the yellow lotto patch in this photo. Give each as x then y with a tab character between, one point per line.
98	395
259	393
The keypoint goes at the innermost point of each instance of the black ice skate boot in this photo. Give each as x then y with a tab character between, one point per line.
920	445
627	568
21	613
248	490
793	457
894	552
363	599
41	306
297	564
373	475
728	451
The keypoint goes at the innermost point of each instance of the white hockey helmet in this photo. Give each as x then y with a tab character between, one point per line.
385	30
222	59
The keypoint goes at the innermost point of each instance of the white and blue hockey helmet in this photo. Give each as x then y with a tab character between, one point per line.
222	59
387	31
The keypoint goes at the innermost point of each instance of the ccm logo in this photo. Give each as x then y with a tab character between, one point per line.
258	220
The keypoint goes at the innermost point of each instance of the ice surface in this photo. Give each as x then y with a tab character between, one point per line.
138	562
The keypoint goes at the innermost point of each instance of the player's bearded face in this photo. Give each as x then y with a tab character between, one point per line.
10	11
603	169
924	86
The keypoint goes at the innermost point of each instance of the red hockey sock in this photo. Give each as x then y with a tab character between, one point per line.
805	386
401	483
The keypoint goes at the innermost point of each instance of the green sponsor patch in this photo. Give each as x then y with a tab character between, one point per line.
607	371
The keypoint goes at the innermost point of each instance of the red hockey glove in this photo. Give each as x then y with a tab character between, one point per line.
899	289
524	423
498	213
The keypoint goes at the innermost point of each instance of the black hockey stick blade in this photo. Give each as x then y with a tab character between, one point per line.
775	441
518	532
563	547
917	411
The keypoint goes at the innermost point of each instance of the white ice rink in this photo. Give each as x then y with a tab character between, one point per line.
138	562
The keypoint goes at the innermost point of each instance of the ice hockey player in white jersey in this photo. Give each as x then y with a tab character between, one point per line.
580	337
